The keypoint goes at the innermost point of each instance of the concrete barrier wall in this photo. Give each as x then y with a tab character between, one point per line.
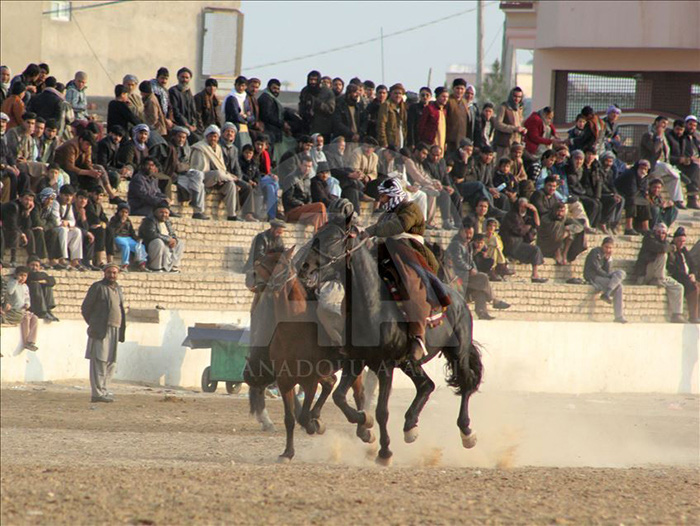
557	357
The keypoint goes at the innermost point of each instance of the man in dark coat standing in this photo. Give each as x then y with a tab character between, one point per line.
103	311
681	268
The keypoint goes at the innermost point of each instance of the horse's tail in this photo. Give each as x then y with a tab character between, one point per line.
258	371
464	369
256	400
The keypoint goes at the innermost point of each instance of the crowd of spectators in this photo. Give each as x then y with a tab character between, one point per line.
509	184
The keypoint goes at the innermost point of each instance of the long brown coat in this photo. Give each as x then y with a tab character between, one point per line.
153	114
392	124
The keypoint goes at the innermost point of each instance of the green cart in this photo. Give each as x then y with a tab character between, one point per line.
229	351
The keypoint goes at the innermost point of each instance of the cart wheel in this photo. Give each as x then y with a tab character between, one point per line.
208	385
233	387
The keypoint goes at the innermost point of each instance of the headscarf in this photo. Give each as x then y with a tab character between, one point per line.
607	154
47	193
392	187
511	102
135	131
613	109
317	155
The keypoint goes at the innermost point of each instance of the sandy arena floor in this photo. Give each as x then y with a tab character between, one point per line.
178	457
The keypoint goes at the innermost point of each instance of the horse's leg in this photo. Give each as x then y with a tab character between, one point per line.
310	385
358	392
288	396
385	375
370	387
424	387
327	383
351	370
468	438
256	398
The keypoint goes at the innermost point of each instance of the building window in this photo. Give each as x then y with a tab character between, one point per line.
695	99
60	11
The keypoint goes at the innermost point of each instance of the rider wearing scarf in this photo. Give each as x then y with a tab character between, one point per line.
402	226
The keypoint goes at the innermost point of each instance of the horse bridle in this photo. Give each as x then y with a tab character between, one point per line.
277	279
332	260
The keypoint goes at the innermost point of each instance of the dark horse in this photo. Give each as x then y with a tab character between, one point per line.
377	337
294	356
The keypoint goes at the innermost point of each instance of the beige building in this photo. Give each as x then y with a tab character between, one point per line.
109	39
642	55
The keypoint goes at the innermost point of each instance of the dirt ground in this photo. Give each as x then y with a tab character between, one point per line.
159	456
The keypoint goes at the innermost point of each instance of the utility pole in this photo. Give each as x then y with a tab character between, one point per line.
381	38
479	45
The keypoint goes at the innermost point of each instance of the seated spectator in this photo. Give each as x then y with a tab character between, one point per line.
250	171
613	202
81	222
350	116
40	286
525	186
208	158
17	226
29	78
164	248
5	76
182	102
16	310
598	272
207	104
509	123
464	178
48	103
22	150
494	250
650	269
574	181
487	126
48	142
541	134
127	242
484	168
262	155
484	263
320	188
144	194
75	158
107	156
298	207
518	231
450	200
76	95
473	283
152	112
190	183
662	210
119	111
432	126
246	197
9	174
419	178
363	165
13	106
560	238
97	221
633	185
504	180
681	268
612	141
655	149
684	149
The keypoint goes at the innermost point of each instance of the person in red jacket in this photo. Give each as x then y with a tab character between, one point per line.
541	134
432	127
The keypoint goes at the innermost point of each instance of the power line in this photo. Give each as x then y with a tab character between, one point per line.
368	41
83	7
75	19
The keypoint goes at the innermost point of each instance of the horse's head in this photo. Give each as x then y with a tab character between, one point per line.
275	268
327	249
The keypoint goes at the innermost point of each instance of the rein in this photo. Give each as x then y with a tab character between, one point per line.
332	260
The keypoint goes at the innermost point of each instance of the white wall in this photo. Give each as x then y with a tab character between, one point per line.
518	355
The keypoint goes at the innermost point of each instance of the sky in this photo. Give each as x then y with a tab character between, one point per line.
278	31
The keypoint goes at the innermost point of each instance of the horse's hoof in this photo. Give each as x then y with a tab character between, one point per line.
369	421
371	439
320	427
268	428
283	460
411	435
468	441
384	462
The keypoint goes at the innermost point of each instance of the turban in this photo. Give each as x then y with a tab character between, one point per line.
212	128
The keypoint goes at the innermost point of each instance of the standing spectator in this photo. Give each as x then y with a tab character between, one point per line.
159	85
518	232
17	225
541	133
337	86
13	106
164	248
97	223
458	115
208	158
373	106
350	116
16	310
152	112
182	101
296	197
683	155
5	76
41	286
307	99
125	238
47	104
272	112
432	126
144	193
255	126
76	95
598	272
612	141
509	123
650	269
263	243
574	180
119	112
655	149
682	269
103	311
474	283
593	132
391	119
560	238
83	225
207	105
133	96
487	126
415	112
633	184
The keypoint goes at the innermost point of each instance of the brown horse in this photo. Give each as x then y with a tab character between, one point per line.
295	356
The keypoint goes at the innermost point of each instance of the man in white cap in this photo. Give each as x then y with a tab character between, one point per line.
208	158
103	311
